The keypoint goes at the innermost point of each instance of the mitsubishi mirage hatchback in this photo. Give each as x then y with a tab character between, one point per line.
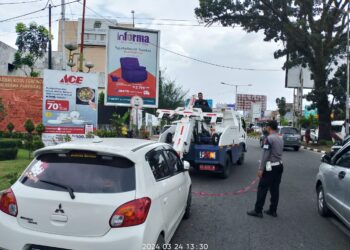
97	194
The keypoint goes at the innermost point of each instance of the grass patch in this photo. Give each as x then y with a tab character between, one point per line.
12	169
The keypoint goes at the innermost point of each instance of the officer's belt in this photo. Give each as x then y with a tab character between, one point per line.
274	164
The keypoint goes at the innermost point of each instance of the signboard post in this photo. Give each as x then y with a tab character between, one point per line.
69	105
132	66
137	103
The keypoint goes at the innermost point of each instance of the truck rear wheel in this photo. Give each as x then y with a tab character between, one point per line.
226	169
241	159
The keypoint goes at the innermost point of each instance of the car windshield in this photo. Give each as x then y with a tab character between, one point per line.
289	131
337	128
83	172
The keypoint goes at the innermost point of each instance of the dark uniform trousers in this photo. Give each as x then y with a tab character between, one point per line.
270	180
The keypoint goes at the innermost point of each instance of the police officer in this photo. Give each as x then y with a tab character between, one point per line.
270	172
201	103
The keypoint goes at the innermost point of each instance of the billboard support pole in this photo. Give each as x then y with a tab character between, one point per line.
81	56
50	44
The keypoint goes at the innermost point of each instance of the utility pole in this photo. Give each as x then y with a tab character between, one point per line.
348	76
133	18
63	38
50	45
81	56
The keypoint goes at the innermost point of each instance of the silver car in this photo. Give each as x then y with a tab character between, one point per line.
291	137
333	184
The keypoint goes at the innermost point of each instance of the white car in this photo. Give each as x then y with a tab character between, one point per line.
97	194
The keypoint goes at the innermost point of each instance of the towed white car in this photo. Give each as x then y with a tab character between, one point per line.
97	194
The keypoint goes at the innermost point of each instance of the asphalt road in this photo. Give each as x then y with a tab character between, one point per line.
221	222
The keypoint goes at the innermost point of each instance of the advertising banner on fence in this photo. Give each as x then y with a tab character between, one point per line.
69	105
22	98
132	66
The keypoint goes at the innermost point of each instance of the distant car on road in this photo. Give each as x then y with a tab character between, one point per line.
291	137
97	194
338	130
333	184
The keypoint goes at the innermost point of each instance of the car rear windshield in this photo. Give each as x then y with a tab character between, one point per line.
289	131
83	172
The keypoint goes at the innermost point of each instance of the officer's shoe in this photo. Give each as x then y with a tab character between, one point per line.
255	214
271	213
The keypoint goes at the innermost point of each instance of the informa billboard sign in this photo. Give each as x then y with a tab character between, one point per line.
244	101
22	98
256	111
132	66
69	105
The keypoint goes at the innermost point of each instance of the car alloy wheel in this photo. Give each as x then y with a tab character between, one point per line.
321	202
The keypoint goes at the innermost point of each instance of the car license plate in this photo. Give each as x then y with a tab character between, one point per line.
207	167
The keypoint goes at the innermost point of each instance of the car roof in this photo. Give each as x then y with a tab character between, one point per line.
119	146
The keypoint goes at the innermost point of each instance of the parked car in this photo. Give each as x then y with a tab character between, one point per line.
97	194
338	130
333	184
291	137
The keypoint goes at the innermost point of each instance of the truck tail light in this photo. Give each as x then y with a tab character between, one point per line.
8	203
131	213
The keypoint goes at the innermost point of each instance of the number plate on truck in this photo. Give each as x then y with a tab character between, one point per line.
207	167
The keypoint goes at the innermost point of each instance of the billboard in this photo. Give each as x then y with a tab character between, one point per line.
69	105
132	66
297	76
22	97
244	102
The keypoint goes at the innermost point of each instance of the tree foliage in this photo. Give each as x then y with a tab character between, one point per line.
281	104
10	127
32	42
312	32
29	126
171	95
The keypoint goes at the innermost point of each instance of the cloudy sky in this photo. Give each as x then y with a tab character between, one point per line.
175	20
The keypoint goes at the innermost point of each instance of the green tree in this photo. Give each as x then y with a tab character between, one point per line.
29	126
312	32
40	129
171	95
10	127
32	42
118	122
101	98
2	110
281	104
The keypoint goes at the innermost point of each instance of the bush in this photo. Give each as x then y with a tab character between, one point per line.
8	153
8	143
106	133
37	145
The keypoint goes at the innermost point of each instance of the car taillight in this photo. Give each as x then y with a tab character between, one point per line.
8	203
131	213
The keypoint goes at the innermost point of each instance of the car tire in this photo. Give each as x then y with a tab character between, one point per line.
241	159
322	208
226	169
188	212
160	243
296	148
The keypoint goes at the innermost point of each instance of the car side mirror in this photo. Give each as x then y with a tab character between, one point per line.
187	166
326	158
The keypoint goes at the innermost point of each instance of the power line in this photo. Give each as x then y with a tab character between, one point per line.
195	59
36	11
23	2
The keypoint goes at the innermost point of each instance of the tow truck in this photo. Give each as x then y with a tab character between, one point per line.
209	141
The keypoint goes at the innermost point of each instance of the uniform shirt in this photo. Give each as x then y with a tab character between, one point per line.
200	103
272	150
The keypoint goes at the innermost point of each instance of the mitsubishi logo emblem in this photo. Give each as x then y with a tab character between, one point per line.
59	210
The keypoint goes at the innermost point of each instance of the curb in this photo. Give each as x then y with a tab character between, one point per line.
314	150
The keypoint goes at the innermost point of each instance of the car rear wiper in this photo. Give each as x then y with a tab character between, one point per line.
69	189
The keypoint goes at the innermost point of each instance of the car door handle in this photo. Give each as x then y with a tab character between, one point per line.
341	175
165	200
180	189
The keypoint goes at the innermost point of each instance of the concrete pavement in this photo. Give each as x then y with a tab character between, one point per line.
222	223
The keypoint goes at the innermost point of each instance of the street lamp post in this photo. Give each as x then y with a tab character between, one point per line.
236	89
